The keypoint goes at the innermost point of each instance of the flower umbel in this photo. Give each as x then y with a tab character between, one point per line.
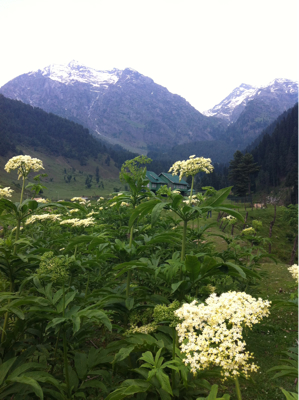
212	334
294	271
6	192
24	164
192	166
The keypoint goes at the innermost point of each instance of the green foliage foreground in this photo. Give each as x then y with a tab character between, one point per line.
89	294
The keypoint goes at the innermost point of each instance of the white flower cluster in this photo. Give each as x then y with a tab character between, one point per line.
294	271
44	201
220	325
113	204
6	192
24	164
248	231
78	222
192	166
78	199
74	210
230	219
43	217
100	199
146	329
124	204
91	213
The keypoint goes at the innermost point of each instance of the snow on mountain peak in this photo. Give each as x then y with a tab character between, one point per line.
76	72
231	107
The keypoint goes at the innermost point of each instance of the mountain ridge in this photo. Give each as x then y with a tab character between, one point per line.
125	106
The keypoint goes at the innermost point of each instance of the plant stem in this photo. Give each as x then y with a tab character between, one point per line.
86	290
18	218
191	190
183	246
67	380
173	357
238	391
129	272
6	317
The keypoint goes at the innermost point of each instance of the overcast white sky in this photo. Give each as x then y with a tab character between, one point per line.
199	49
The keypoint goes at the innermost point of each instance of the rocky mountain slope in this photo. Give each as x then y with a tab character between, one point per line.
279	95
123	107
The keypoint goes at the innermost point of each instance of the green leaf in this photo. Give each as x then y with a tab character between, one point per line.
76	323
164	381
193	267
290	395
176	285
17	312
148	357
94	384
129	303
26	380
218	198
5	367
23	368
123	353
142	210
81	365
156	212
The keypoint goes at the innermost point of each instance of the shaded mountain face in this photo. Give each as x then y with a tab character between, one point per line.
279	95
122	107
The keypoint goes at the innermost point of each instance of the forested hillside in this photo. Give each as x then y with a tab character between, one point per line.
22	125
277	154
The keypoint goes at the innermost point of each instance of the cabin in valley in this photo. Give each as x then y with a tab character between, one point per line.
174	182
154	181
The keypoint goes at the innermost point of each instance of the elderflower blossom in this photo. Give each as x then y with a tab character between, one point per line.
44	201
73	210
113	204
80	199
248	231
124	204
149	328
211	334
175	192
24	164
91	213
76	222
100	199
294	271
192	166
16	228
6	192
43	217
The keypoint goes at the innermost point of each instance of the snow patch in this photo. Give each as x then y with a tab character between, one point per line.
75	72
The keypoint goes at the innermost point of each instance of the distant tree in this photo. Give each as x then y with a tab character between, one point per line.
88	181
97	174
249	168
241	168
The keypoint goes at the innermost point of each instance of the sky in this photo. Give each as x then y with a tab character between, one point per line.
199	49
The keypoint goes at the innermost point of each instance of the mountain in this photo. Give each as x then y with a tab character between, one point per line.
22	125
76	163
121	106
280	94
277	155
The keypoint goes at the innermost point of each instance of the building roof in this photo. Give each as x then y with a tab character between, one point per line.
174	178
152	177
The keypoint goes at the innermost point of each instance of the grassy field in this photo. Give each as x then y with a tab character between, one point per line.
57	187
279	331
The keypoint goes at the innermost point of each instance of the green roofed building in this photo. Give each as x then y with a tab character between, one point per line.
154	181
174	182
